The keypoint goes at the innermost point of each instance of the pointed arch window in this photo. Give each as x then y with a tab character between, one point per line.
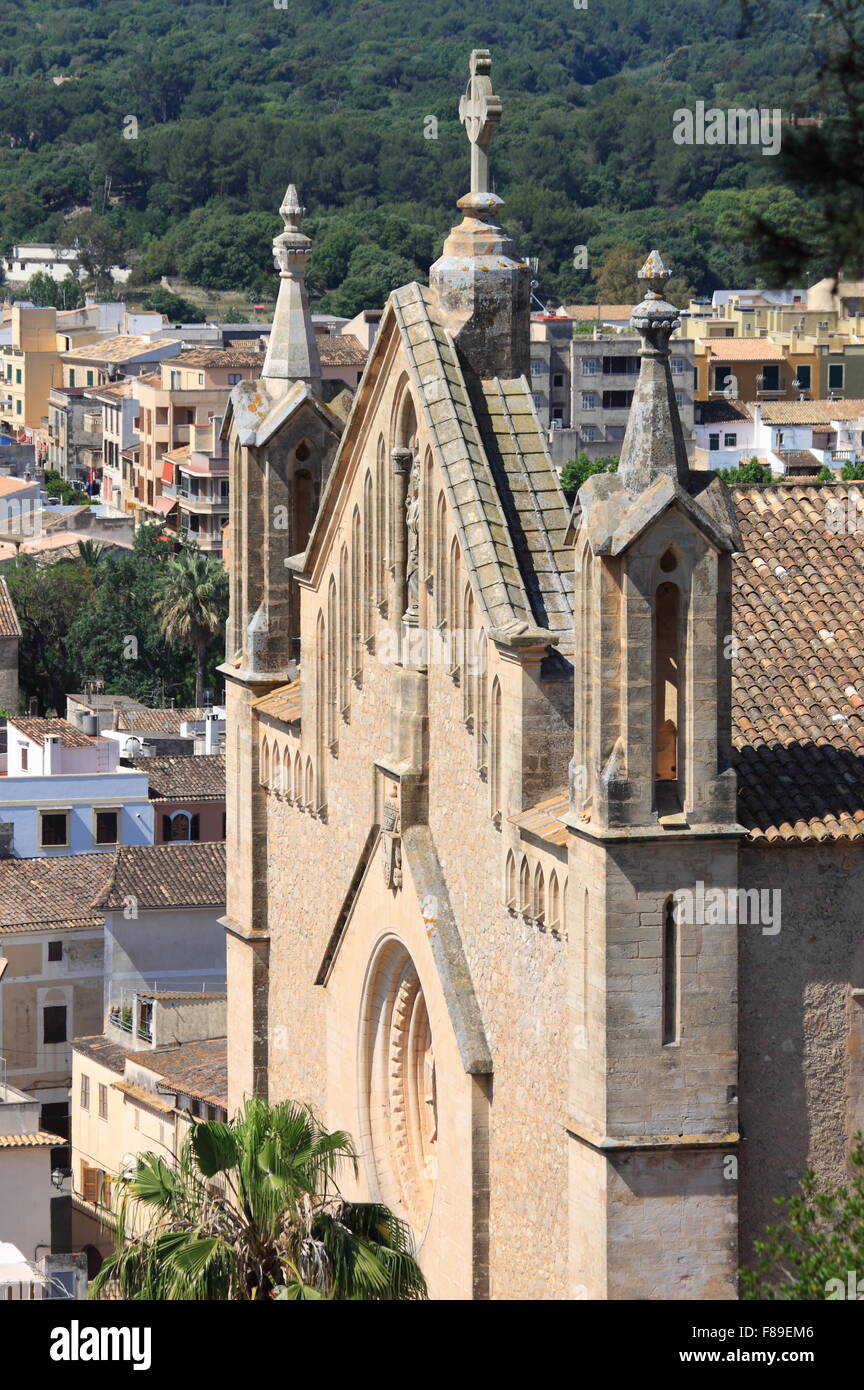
510	886
277	769
298	778
357	602
538	905
344	620
369	561
481	704
554	903
332	668
524	887
454	583
495	753
440	579
382	506
468	658
265	764
667	661
322	708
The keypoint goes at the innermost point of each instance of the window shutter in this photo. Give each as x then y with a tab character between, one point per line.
89	1183
193	832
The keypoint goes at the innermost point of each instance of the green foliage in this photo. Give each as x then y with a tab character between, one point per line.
824	476
191	605
65	294
852	472
69	495
96	618
575	471
232	100
821	1240
253	1211
752	472
48	600
175	308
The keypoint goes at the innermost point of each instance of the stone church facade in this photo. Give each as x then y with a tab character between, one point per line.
511	791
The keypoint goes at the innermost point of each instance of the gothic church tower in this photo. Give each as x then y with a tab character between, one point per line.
652	1000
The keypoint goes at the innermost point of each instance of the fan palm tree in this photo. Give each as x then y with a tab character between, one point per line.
191	605
252	1211
89	554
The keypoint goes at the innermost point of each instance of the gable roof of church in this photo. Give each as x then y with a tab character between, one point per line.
503	491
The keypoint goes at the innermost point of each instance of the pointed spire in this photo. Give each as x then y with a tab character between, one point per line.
654	444
292	352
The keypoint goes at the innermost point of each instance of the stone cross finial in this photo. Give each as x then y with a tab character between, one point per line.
480	113
654	318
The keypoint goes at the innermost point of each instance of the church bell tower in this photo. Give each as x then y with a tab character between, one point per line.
652	1111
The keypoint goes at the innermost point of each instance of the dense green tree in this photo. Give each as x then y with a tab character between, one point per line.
252	1211
63	294
576	471
173	306
48	600
97	243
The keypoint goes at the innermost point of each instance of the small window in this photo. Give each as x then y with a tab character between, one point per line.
771	377
200	378
730	441
53	829
589	400
54	1023
589	434
106	827
590	366
558	379
679	365
538	367
89	378
71	376
713	442
721	377
233	378
103	1102
55	950
802	373
538	400
836	373
85	1092
679	398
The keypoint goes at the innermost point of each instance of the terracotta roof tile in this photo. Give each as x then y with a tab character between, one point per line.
99	1049
39	729
50	892
282	703
341	350
809	412
200	778
172	875
743	349
194	1068
218	357
156	721
40	1140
